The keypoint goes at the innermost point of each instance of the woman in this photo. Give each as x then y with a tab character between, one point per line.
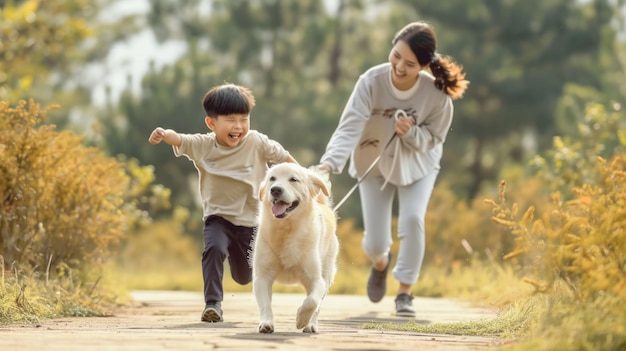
402	112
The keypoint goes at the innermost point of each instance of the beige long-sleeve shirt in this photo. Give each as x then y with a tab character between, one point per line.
229	177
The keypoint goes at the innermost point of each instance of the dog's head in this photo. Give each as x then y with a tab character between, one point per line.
287	186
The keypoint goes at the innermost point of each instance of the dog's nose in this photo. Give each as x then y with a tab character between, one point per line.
276	191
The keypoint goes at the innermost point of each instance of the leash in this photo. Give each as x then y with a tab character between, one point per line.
369	169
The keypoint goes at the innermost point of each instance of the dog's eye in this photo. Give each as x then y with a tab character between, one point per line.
272	178
293	180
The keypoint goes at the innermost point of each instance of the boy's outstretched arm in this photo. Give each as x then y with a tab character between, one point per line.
167	135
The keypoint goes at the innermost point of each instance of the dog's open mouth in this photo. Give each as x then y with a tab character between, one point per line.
281	209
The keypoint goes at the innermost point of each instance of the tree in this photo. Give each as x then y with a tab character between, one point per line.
46	46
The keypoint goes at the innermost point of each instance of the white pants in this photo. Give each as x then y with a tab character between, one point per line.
376	207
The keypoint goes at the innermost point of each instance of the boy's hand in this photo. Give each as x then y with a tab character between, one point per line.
157	136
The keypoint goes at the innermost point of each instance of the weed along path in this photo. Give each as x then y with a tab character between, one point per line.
170	320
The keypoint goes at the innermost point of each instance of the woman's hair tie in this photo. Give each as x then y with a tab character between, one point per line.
434	59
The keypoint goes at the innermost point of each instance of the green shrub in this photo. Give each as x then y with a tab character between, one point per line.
580	242
61	203
574	251
572	161
64	209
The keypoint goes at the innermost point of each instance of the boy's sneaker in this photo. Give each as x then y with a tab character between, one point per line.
377	282
212	313
404	306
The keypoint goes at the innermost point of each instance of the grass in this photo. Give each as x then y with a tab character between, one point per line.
26	299
555	320
484	284
509	324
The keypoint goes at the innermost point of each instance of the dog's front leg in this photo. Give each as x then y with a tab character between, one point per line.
316	289
262	287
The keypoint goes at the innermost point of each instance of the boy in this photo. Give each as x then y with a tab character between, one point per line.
231	162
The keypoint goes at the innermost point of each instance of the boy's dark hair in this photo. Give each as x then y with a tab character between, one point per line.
228	99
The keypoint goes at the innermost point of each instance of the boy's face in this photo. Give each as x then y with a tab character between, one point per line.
229	129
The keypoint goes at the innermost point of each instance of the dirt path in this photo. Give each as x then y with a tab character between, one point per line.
167	320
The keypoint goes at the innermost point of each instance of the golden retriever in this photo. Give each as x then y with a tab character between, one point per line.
296	241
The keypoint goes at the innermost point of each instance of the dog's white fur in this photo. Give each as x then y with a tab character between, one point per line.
295	245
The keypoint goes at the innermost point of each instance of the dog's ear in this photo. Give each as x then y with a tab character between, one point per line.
319	184
262	188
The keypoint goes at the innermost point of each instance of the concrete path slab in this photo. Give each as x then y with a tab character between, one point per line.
170	320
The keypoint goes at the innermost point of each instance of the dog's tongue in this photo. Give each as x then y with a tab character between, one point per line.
279	208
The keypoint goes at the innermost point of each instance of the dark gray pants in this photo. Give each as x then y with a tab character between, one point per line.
222	240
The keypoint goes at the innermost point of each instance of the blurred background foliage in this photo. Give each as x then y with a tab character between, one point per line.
543	113
532	73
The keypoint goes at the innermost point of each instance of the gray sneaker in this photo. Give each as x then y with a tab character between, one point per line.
404	306
377	282
212	313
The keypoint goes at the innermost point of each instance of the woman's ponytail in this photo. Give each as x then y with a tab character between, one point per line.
449	76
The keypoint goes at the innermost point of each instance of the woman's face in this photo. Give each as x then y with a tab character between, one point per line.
405	68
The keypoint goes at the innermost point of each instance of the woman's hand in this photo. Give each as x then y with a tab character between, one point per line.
403	124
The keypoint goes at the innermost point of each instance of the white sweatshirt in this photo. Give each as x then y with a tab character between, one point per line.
367	124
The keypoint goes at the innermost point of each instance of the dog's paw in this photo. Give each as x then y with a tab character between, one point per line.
311	328
266	328
305	312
